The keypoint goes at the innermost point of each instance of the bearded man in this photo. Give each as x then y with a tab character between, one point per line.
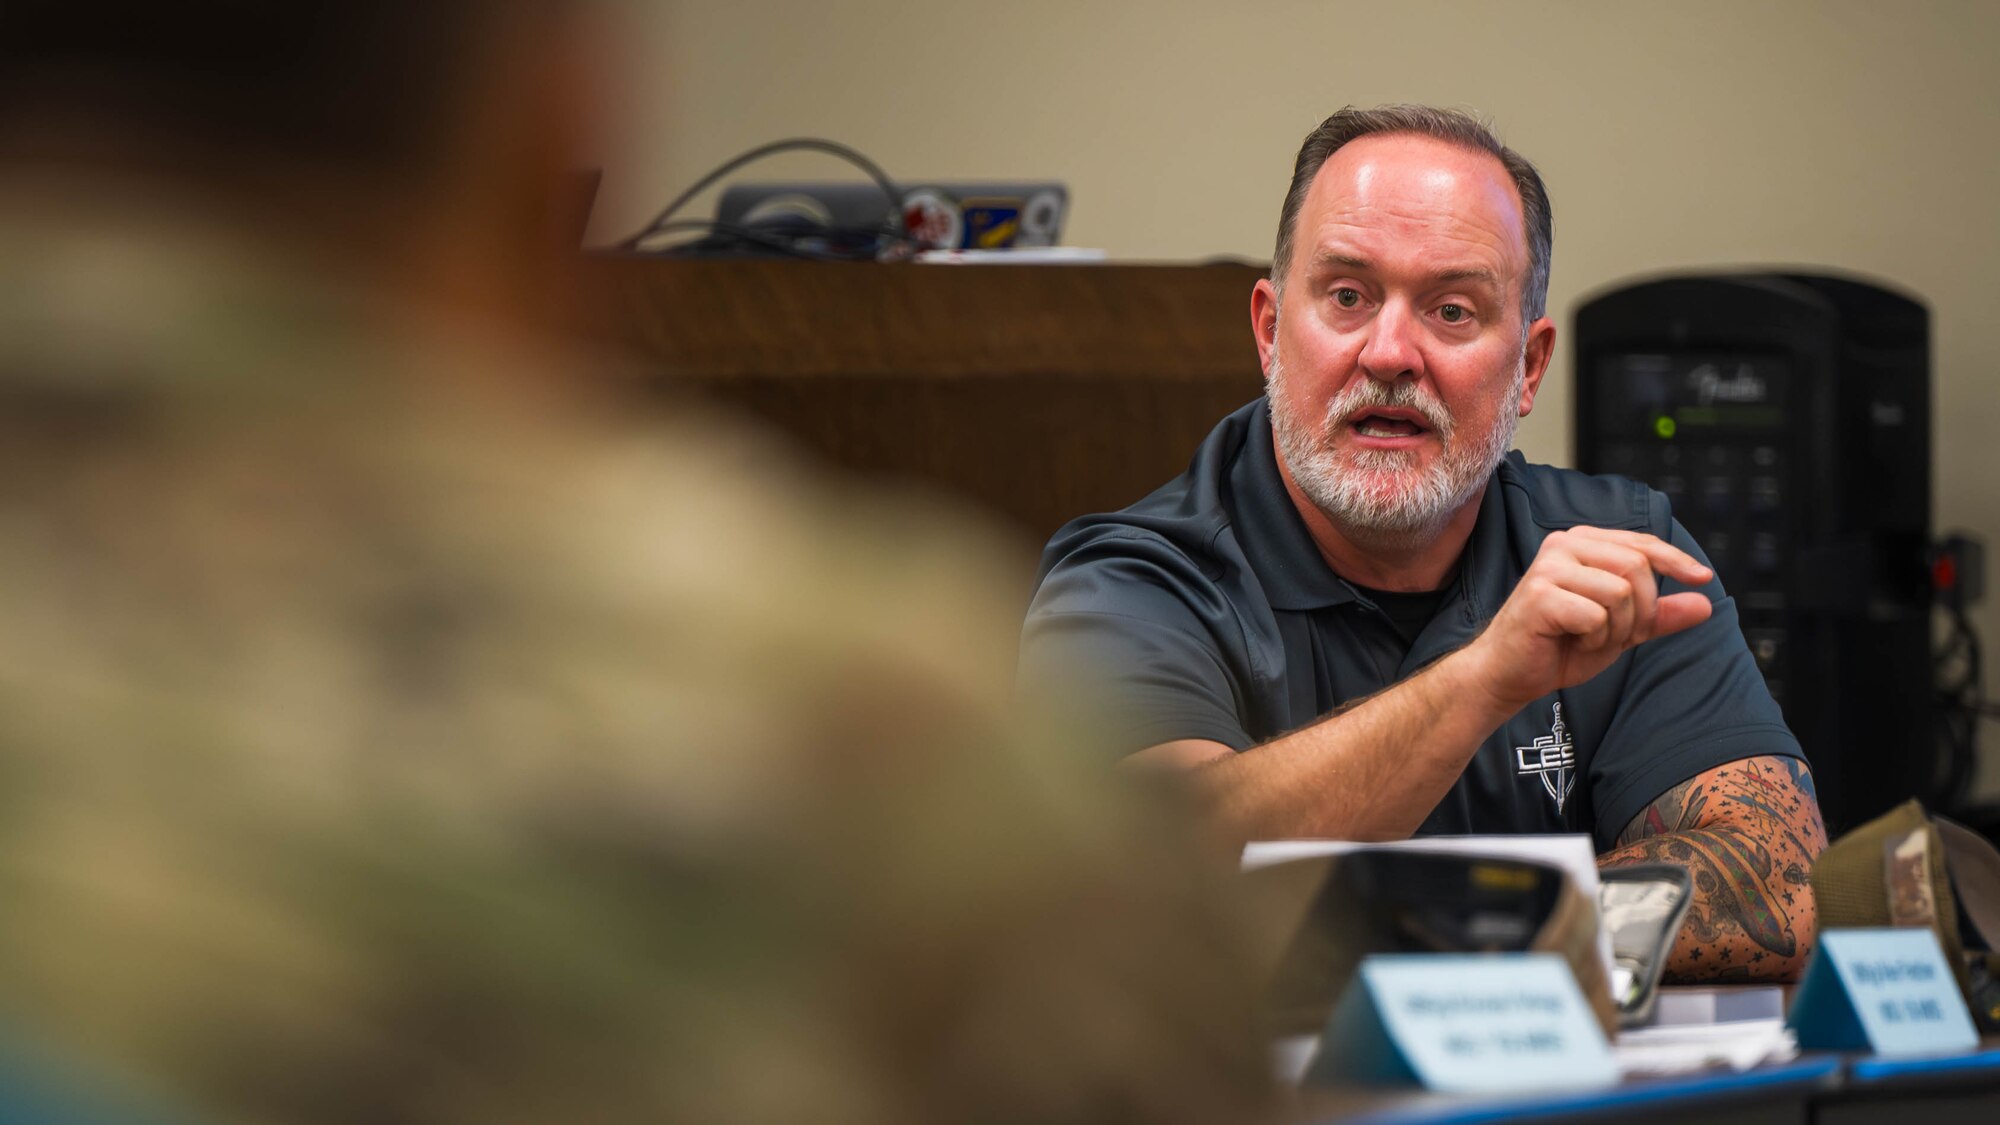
1357	615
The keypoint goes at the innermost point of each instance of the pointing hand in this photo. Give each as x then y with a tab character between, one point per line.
1589	595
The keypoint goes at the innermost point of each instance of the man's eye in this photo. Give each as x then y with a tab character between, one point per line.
1453	314
1347	298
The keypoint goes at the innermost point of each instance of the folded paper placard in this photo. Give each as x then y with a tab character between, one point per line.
1475	1023
1883	990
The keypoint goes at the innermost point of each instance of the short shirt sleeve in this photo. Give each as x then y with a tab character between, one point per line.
1691	702
1131	630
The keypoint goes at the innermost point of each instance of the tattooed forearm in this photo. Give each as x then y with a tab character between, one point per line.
1748	833
1731	881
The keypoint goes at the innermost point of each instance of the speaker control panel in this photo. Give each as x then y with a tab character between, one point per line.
1707	430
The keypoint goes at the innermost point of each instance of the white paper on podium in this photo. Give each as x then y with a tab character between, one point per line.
1575	853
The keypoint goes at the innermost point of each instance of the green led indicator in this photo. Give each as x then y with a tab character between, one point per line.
1664	426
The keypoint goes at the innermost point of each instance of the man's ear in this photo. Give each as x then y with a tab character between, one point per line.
1264	320
1535	360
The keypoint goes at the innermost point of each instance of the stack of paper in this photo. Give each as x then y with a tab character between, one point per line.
1678	1005
1655	1051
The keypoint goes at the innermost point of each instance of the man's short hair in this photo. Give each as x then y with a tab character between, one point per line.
1451	126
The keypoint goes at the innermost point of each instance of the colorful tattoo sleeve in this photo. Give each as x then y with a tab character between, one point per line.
1748	833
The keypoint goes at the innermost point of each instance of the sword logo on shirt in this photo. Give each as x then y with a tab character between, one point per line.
1552	757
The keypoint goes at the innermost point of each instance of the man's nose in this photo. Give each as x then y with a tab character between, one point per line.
1391	352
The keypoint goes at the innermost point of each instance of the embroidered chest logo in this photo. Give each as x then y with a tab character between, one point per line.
1553	757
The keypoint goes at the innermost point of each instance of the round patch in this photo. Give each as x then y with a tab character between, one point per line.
932	218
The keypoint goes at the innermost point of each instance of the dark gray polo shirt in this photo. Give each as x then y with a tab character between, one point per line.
1205	611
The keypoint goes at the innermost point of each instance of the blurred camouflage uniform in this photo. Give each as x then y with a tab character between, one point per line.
392	735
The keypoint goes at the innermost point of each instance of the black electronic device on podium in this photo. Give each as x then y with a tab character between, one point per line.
1787	416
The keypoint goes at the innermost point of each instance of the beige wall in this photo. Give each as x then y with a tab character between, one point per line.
1854	135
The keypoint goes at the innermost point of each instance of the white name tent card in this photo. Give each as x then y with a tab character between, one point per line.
1888	991
1472	1023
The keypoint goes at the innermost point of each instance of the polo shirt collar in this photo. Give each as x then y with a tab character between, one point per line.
1288	563
1484	571
1269	529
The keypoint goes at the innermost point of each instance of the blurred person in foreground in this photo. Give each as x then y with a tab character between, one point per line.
394	730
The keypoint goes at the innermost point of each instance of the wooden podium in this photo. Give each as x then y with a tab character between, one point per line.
1036	392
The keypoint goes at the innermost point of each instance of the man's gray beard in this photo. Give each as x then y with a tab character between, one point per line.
1380	497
